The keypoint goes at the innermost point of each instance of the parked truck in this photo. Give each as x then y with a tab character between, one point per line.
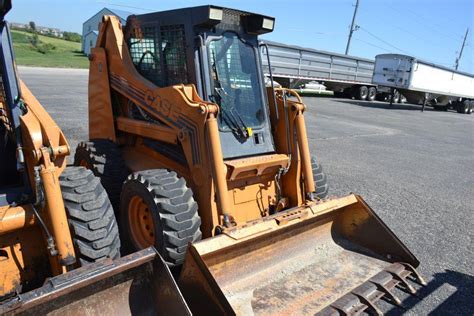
425	83
348	76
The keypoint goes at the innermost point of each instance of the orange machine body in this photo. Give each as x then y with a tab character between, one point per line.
243	188
23	251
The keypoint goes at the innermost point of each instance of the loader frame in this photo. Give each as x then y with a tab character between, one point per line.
183	135
264	230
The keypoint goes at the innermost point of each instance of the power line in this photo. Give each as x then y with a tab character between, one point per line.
387	43
383	41
436	28
371	44
420	37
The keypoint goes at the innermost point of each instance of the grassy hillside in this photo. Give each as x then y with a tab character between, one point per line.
47	51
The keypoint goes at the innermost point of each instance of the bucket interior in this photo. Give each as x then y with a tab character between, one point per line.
299	269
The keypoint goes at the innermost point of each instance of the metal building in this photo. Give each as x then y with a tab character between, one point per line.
90	28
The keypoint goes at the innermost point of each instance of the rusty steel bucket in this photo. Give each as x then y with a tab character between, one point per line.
325	258
138	284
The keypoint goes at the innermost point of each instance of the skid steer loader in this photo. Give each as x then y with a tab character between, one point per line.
214	170
58	233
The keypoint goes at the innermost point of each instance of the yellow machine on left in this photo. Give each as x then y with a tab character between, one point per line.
59	239
53	218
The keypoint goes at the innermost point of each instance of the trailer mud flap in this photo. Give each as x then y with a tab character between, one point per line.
333	257
139	284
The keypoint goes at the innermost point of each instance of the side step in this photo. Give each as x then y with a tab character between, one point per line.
379	286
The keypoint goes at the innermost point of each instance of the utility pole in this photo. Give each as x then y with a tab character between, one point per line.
462	48
352	27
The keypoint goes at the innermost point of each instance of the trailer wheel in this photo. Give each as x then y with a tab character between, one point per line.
90	216
372	94
158	209
320	179
361	93
471	107
463	107
104	158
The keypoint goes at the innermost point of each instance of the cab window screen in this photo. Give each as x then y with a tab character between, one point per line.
159	54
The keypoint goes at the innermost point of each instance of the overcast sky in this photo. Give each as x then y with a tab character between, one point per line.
428	29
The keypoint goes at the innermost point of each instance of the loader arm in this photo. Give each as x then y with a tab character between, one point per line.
30	200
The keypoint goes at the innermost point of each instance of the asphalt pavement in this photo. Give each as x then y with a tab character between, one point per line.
416	170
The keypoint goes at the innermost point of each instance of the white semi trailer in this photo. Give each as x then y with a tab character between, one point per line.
425	83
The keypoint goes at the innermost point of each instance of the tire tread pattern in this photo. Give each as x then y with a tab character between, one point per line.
104	158
90	215
320	179
177	211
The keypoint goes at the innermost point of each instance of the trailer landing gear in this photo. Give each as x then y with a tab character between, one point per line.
425	100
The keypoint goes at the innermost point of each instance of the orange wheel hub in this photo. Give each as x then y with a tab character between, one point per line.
141	222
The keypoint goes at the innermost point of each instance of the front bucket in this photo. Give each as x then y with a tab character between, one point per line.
138	284
328	257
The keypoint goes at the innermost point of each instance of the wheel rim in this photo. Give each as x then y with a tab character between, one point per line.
140	222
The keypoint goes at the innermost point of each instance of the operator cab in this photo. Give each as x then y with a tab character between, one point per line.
216	49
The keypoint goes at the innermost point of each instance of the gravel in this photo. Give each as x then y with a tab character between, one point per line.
416	170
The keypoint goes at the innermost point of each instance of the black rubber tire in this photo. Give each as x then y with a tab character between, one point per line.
173	208
463	107
104	158
361	93
466	106
372	94
90	216
471	107
320	179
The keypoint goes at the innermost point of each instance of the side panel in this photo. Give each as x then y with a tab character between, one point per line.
308	64
407	73
101	122
435	80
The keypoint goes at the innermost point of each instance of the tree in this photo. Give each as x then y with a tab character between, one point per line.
32	25
71	36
